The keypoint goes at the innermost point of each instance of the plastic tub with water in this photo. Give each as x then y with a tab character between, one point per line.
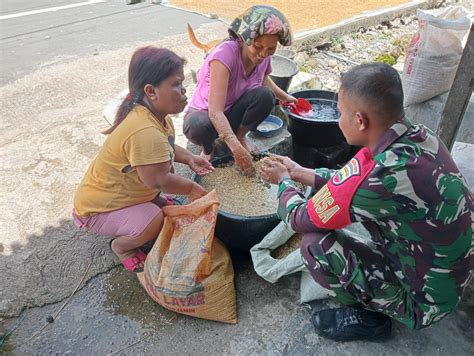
321	128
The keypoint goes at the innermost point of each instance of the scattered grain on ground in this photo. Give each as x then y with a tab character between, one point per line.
302	15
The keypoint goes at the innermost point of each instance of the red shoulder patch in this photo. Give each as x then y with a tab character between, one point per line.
352	168
329	207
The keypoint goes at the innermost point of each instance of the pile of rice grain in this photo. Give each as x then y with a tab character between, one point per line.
288	247
240	194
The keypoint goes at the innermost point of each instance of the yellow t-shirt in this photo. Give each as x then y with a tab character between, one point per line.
112	181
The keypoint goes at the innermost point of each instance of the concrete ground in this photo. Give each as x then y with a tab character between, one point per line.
113	315
50	120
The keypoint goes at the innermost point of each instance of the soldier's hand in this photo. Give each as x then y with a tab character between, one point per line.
290	165
273	171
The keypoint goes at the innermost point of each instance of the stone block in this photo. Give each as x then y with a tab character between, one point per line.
280	144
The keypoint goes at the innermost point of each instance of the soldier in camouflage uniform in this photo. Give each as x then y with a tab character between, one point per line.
404	187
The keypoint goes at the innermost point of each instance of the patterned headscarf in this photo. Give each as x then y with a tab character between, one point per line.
261	20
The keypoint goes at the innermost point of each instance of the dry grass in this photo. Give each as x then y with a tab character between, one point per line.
302	14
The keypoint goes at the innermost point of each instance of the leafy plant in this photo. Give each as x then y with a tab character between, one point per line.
303	69
386	58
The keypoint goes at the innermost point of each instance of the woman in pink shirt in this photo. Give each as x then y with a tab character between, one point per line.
234	93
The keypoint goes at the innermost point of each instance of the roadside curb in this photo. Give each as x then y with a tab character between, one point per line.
209	16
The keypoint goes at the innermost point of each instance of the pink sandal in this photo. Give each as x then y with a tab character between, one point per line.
133	263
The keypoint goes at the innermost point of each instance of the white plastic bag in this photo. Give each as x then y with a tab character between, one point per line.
272	269
112	107
434	53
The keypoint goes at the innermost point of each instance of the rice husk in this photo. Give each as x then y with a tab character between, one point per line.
288	247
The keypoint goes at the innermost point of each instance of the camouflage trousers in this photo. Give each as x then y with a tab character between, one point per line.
355	272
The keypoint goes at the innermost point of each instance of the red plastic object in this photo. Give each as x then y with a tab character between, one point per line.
302	107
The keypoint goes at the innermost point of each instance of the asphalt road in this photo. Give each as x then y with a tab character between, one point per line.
39	33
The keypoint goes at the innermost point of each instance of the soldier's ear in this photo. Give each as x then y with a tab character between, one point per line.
362	121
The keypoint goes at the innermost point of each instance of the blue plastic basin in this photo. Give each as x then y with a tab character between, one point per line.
269	127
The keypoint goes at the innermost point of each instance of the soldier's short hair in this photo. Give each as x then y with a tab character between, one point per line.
379	85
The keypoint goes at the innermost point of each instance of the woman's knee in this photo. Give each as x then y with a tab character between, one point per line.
198	129
264	96
259	103
152	230
196	123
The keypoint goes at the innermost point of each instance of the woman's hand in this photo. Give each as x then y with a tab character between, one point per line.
197	192
200	165
273	170
163	200
243	159
290	99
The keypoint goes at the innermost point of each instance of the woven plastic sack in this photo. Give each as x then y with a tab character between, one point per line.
272	269
188	270
434	53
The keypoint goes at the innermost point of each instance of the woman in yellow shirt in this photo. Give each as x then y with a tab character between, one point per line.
119	196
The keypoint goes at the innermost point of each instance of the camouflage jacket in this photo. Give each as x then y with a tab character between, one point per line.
416	205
